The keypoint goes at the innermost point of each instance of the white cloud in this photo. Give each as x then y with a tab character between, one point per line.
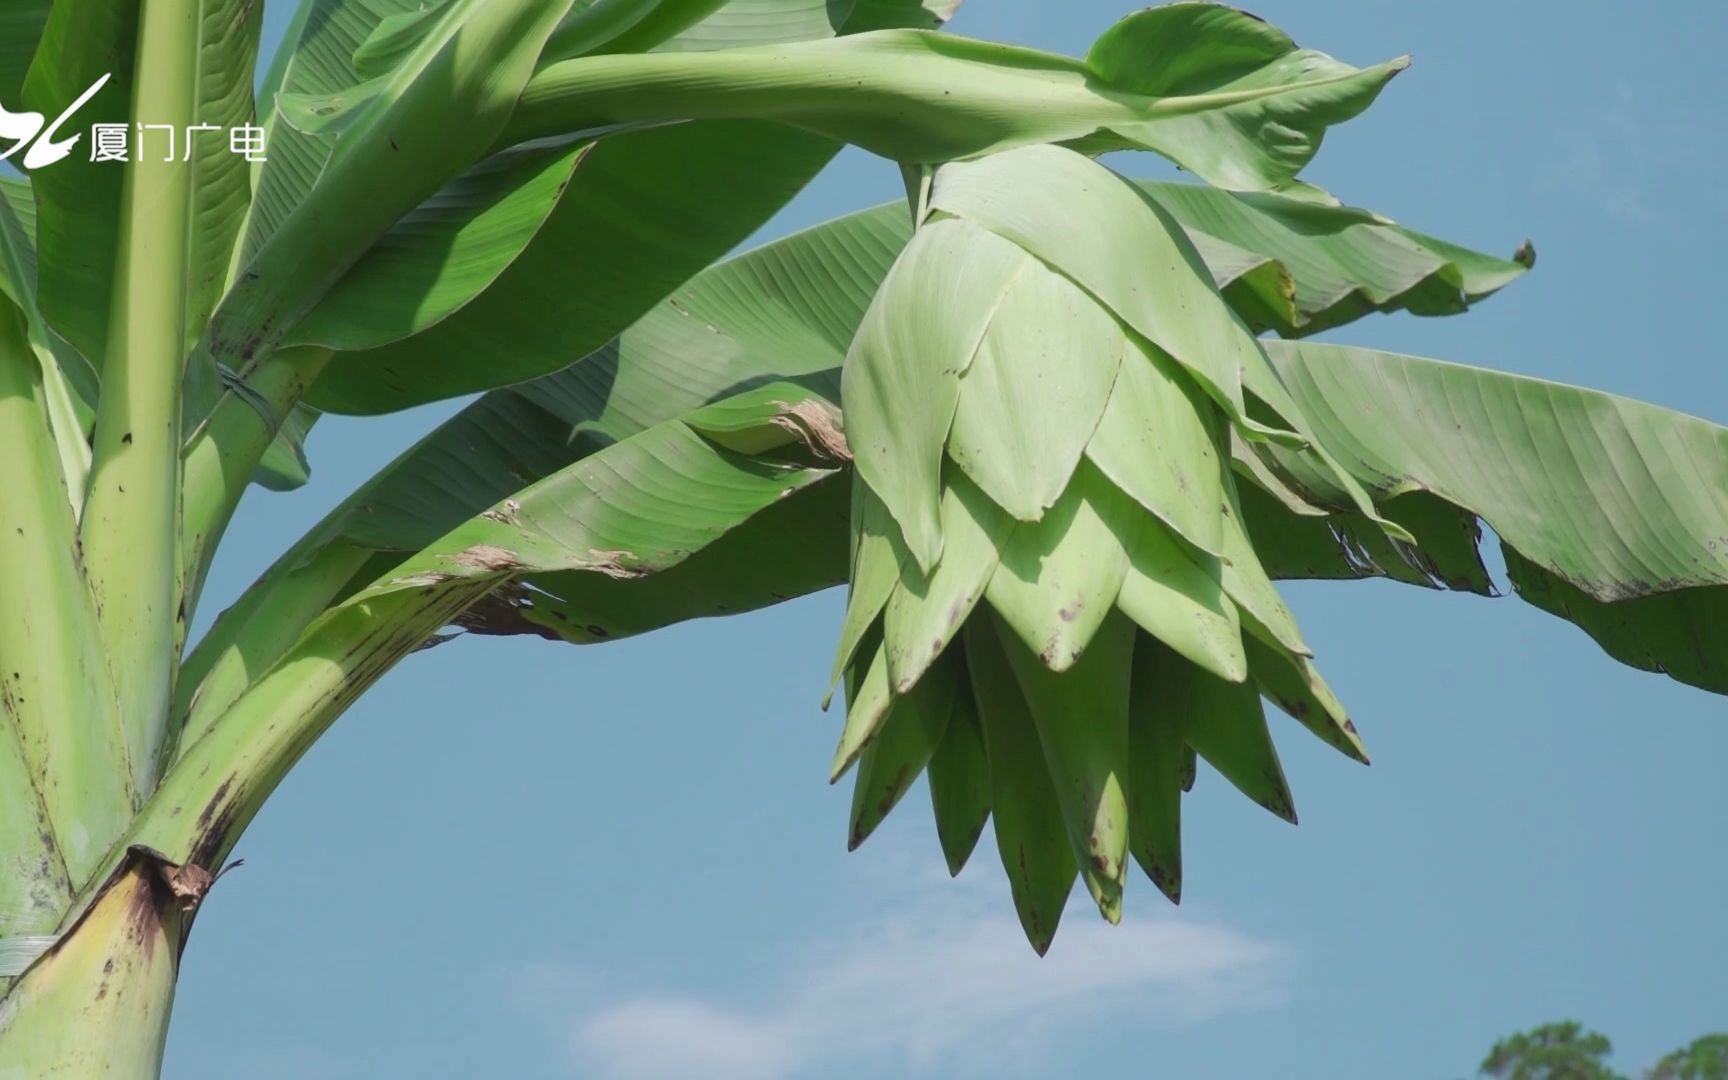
942	981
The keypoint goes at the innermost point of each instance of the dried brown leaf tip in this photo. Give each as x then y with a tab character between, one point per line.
187	884
817	425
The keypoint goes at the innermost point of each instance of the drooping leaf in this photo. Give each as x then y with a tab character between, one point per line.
1616	511
1298	267
794	546
1344	546
284	466
1268	102
519	469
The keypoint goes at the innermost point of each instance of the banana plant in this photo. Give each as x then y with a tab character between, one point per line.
1057	430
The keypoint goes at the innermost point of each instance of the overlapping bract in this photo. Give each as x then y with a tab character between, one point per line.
1054	603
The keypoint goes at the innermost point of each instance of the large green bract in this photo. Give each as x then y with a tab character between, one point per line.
1027	416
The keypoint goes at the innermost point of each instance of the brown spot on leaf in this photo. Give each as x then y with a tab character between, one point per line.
504	513
486	557
614	564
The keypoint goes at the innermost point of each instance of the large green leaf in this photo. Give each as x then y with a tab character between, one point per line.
638	218
468	485
592	533
69	381
78	200
21	24
222	186
793	547
316	57
642	213
417	126
442	253
1613	513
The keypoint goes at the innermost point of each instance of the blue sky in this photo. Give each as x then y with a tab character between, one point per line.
522	859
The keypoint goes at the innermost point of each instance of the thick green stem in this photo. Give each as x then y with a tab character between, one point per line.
224	452
248	638
97	1003
908	95
130	528
57	698
211	794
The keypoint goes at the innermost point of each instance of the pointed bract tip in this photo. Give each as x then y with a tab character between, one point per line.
842	762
